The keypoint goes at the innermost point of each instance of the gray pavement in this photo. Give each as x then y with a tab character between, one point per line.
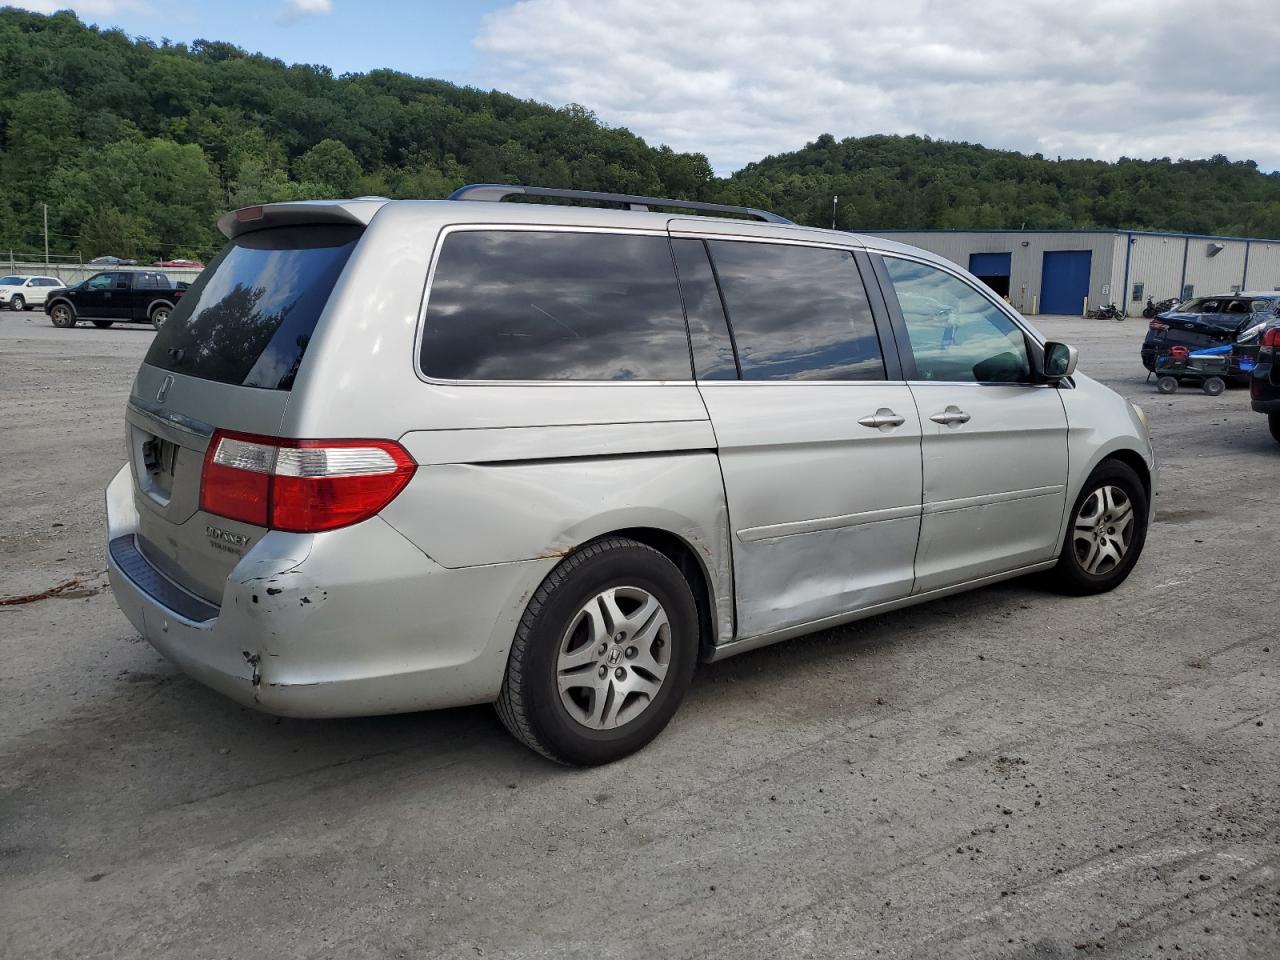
1007	773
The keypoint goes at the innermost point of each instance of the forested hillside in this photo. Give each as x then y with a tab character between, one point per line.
138	146
887	181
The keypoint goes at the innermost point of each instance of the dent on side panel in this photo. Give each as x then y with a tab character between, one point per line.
468	514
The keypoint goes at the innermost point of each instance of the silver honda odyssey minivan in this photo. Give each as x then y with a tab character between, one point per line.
399	455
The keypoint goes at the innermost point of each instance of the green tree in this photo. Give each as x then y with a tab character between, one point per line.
332	167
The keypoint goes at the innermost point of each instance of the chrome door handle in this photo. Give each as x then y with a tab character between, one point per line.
883	418
951	416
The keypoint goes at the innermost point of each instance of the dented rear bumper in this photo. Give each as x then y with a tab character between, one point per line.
351	622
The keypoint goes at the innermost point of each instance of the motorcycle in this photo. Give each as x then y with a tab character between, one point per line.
1108	312
1153	308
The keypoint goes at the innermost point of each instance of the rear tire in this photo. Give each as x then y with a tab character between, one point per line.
62	315
586	683
103	323
17	303
1107	531
1214	386
159	316
1273	421
1167	385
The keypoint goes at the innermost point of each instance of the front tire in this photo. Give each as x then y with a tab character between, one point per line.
602	656
62	315
159	317
1107	531
17	303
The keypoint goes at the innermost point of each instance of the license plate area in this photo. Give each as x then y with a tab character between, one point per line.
155	464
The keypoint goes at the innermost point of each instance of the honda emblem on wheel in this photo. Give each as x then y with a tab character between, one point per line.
164	389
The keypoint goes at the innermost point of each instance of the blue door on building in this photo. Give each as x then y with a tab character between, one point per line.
1065	281
989	264
992	269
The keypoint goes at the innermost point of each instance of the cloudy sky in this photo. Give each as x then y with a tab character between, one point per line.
740	79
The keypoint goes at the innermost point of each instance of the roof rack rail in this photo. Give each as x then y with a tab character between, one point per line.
500	191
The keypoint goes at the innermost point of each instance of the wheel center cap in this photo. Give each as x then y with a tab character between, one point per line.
614	656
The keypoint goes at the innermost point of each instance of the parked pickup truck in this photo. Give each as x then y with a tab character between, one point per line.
115	297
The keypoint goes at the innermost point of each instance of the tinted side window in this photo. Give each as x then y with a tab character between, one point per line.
798	313
552	305
956	334
708	331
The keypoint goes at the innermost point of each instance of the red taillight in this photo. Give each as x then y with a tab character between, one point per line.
302	486
1267	346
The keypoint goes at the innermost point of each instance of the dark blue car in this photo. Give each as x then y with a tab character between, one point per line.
1235	319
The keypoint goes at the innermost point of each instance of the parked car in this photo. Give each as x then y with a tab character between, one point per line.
181	263
1236	319
22	291
1264	384
143	296
111	262
402	455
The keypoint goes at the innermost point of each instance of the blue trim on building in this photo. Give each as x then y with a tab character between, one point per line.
1182	284
1132	233
1124	290
1244	278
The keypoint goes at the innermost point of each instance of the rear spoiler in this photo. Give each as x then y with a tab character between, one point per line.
297	212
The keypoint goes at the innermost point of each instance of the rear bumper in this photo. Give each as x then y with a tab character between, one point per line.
352	622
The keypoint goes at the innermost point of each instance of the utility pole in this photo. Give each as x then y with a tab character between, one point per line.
834	201
46	238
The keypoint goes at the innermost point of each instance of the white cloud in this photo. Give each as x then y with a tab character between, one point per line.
740	79
297	10
85	8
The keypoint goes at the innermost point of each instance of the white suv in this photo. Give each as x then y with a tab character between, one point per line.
21	292
400	455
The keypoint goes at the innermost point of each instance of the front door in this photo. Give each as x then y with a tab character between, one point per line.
819	440
994	440
93	300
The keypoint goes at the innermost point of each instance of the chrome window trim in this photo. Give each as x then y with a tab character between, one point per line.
750	238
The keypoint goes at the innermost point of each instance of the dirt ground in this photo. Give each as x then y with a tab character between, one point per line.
1002	774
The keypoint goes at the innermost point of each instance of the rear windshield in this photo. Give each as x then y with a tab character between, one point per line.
248	318
1227	305
12	281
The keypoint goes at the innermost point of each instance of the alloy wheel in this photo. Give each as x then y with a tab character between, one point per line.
614	657
1103	530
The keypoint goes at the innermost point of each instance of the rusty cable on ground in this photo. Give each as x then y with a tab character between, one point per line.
44	595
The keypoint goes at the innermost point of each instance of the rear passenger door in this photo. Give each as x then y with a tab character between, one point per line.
119	298
995	439
818	436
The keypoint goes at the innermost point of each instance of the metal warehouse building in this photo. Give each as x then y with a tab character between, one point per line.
1058	271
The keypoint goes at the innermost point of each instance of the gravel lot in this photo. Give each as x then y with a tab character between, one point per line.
1002	774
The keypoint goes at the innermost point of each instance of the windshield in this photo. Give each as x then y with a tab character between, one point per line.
248	318
12	281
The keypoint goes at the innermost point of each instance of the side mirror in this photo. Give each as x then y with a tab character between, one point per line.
1059	360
